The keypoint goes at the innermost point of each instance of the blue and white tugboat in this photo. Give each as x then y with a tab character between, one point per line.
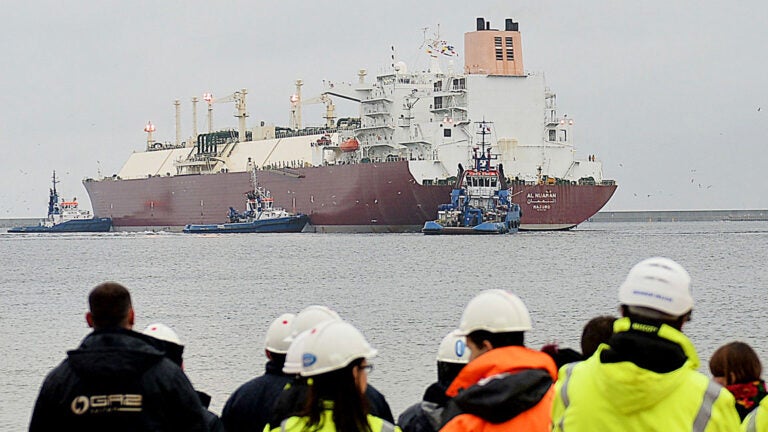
260	216
65	216
480	200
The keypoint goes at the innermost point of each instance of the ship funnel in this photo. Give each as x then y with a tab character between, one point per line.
510	25
480	24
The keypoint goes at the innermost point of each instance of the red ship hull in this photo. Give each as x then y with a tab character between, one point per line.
373	197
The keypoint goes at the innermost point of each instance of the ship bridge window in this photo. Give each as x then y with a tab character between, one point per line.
493	182
438	102
438	86
552	135
446	132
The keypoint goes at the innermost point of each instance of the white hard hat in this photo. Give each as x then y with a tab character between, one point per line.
292	365
331	346
659	284
278	331
453	349
162	332
309	317
495	311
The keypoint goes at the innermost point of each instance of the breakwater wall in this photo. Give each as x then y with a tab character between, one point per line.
680	216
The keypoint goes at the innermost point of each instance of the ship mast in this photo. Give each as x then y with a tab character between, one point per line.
177	105
149	128
194	119
296	106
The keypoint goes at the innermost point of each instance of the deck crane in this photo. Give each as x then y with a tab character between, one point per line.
297	103
238	98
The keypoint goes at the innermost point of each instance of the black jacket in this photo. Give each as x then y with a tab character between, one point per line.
212	421
117	380
426	415
250	406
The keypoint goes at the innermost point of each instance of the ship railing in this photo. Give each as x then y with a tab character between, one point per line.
305	132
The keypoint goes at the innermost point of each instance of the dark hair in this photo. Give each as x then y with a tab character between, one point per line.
447	372
737	362
497	340
110	304
277	359
350	407
596	331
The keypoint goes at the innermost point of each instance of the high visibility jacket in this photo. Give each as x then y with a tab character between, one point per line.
297	424
757	420
501	372
601	396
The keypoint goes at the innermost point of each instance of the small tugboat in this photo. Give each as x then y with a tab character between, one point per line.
65	216
480	200
260	216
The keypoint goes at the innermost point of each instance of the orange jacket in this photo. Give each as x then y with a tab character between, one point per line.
509	360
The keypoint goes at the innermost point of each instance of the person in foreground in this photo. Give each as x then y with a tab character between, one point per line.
169	341
249	407
736	367
645	378
293	397
505	386
335	362
117	380
426	416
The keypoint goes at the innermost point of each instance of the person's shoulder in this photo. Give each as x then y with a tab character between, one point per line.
58	376
409	414
373	393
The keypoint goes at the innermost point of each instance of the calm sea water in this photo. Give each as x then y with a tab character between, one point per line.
404	291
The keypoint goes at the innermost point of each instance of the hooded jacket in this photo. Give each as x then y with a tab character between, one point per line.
504	389
117	380
644	379
249	408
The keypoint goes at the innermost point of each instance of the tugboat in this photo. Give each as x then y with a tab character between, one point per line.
65	216
480	199
260	216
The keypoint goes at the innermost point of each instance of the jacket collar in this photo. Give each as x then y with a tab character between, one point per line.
499	360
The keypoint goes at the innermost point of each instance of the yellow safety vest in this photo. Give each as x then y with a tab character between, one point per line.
757	420
595	396
296	424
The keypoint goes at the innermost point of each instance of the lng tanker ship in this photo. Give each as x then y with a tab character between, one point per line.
387	170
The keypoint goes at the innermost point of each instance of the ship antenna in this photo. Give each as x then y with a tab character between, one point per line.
53	199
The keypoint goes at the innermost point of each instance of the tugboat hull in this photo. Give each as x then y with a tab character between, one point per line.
86	225
278	225
434	228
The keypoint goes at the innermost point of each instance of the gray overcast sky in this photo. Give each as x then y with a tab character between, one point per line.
671	96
